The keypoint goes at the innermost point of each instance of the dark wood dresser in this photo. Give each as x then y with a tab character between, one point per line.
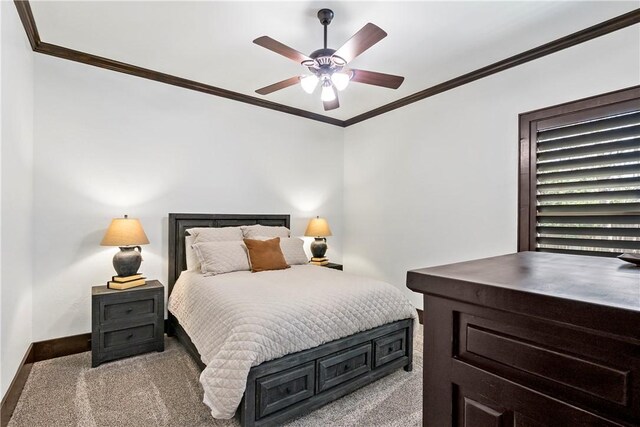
531	339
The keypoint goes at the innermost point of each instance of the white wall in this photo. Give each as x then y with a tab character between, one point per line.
17	185
431	183
108	144
2	27
436	182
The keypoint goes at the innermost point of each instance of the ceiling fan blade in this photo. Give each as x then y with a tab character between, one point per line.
376	79
284	50
277	86
331	105
368	35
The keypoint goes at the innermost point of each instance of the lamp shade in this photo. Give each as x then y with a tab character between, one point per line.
318	227
124	232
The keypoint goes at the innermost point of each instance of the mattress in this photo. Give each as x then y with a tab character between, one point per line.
239	320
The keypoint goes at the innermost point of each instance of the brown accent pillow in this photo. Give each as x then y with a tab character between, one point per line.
265	255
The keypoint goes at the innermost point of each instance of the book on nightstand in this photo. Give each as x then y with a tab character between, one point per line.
120	282
319	261
123	279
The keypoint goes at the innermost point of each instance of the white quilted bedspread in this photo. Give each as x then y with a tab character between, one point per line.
241	319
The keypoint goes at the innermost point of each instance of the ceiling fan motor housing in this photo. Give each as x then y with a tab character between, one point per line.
320	53
324	62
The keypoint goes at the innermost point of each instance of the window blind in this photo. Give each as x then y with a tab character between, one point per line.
588	186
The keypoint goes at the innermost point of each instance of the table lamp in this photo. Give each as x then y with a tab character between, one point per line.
318	228
127	233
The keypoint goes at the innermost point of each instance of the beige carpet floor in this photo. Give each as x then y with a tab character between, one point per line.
162	389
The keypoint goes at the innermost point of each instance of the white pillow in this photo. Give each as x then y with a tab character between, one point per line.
221	257
193	263
254	231
292	249
213	234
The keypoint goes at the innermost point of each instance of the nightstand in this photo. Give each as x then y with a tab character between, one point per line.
334	266
127	322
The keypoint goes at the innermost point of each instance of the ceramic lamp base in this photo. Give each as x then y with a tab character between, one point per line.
127	261
319	247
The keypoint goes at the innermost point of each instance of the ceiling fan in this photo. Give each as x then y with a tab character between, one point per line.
329	66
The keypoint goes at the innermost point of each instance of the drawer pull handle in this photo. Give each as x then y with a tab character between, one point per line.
130	336
287	390
129	310
390	349
346	367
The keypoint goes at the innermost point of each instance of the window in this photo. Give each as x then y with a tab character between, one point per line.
580	176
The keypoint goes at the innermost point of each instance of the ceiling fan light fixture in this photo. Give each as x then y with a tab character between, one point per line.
328	67
340	80
309	83
327	94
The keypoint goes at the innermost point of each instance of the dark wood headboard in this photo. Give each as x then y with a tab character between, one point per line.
179	222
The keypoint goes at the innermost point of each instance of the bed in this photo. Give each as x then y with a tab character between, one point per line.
314	373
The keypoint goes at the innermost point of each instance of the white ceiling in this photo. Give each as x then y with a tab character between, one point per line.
211	42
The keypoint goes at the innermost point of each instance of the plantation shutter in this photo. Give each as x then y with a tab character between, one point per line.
588	186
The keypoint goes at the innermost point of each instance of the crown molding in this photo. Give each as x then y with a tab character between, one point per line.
28	22
562	43
39	46
590	33
121	67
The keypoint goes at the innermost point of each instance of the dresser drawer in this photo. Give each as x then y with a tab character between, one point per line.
338	368
128	336
390	347
579	366
114	311
277	391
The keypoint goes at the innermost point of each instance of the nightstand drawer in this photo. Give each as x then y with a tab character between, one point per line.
128	336
128	309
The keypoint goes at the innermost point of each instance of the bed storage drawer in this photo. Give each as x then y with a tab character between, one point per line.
298	383
277	391
338	368
390	347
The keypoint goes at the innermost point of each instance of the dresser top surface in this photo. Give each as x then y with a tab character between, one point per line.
597	280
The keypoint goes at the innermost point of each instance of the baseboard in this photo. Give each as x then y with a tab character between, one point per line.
14	391
37	352
58	347
420	314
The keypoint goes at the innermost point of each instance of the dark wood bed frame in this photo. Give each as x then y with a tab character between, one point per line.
298	383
